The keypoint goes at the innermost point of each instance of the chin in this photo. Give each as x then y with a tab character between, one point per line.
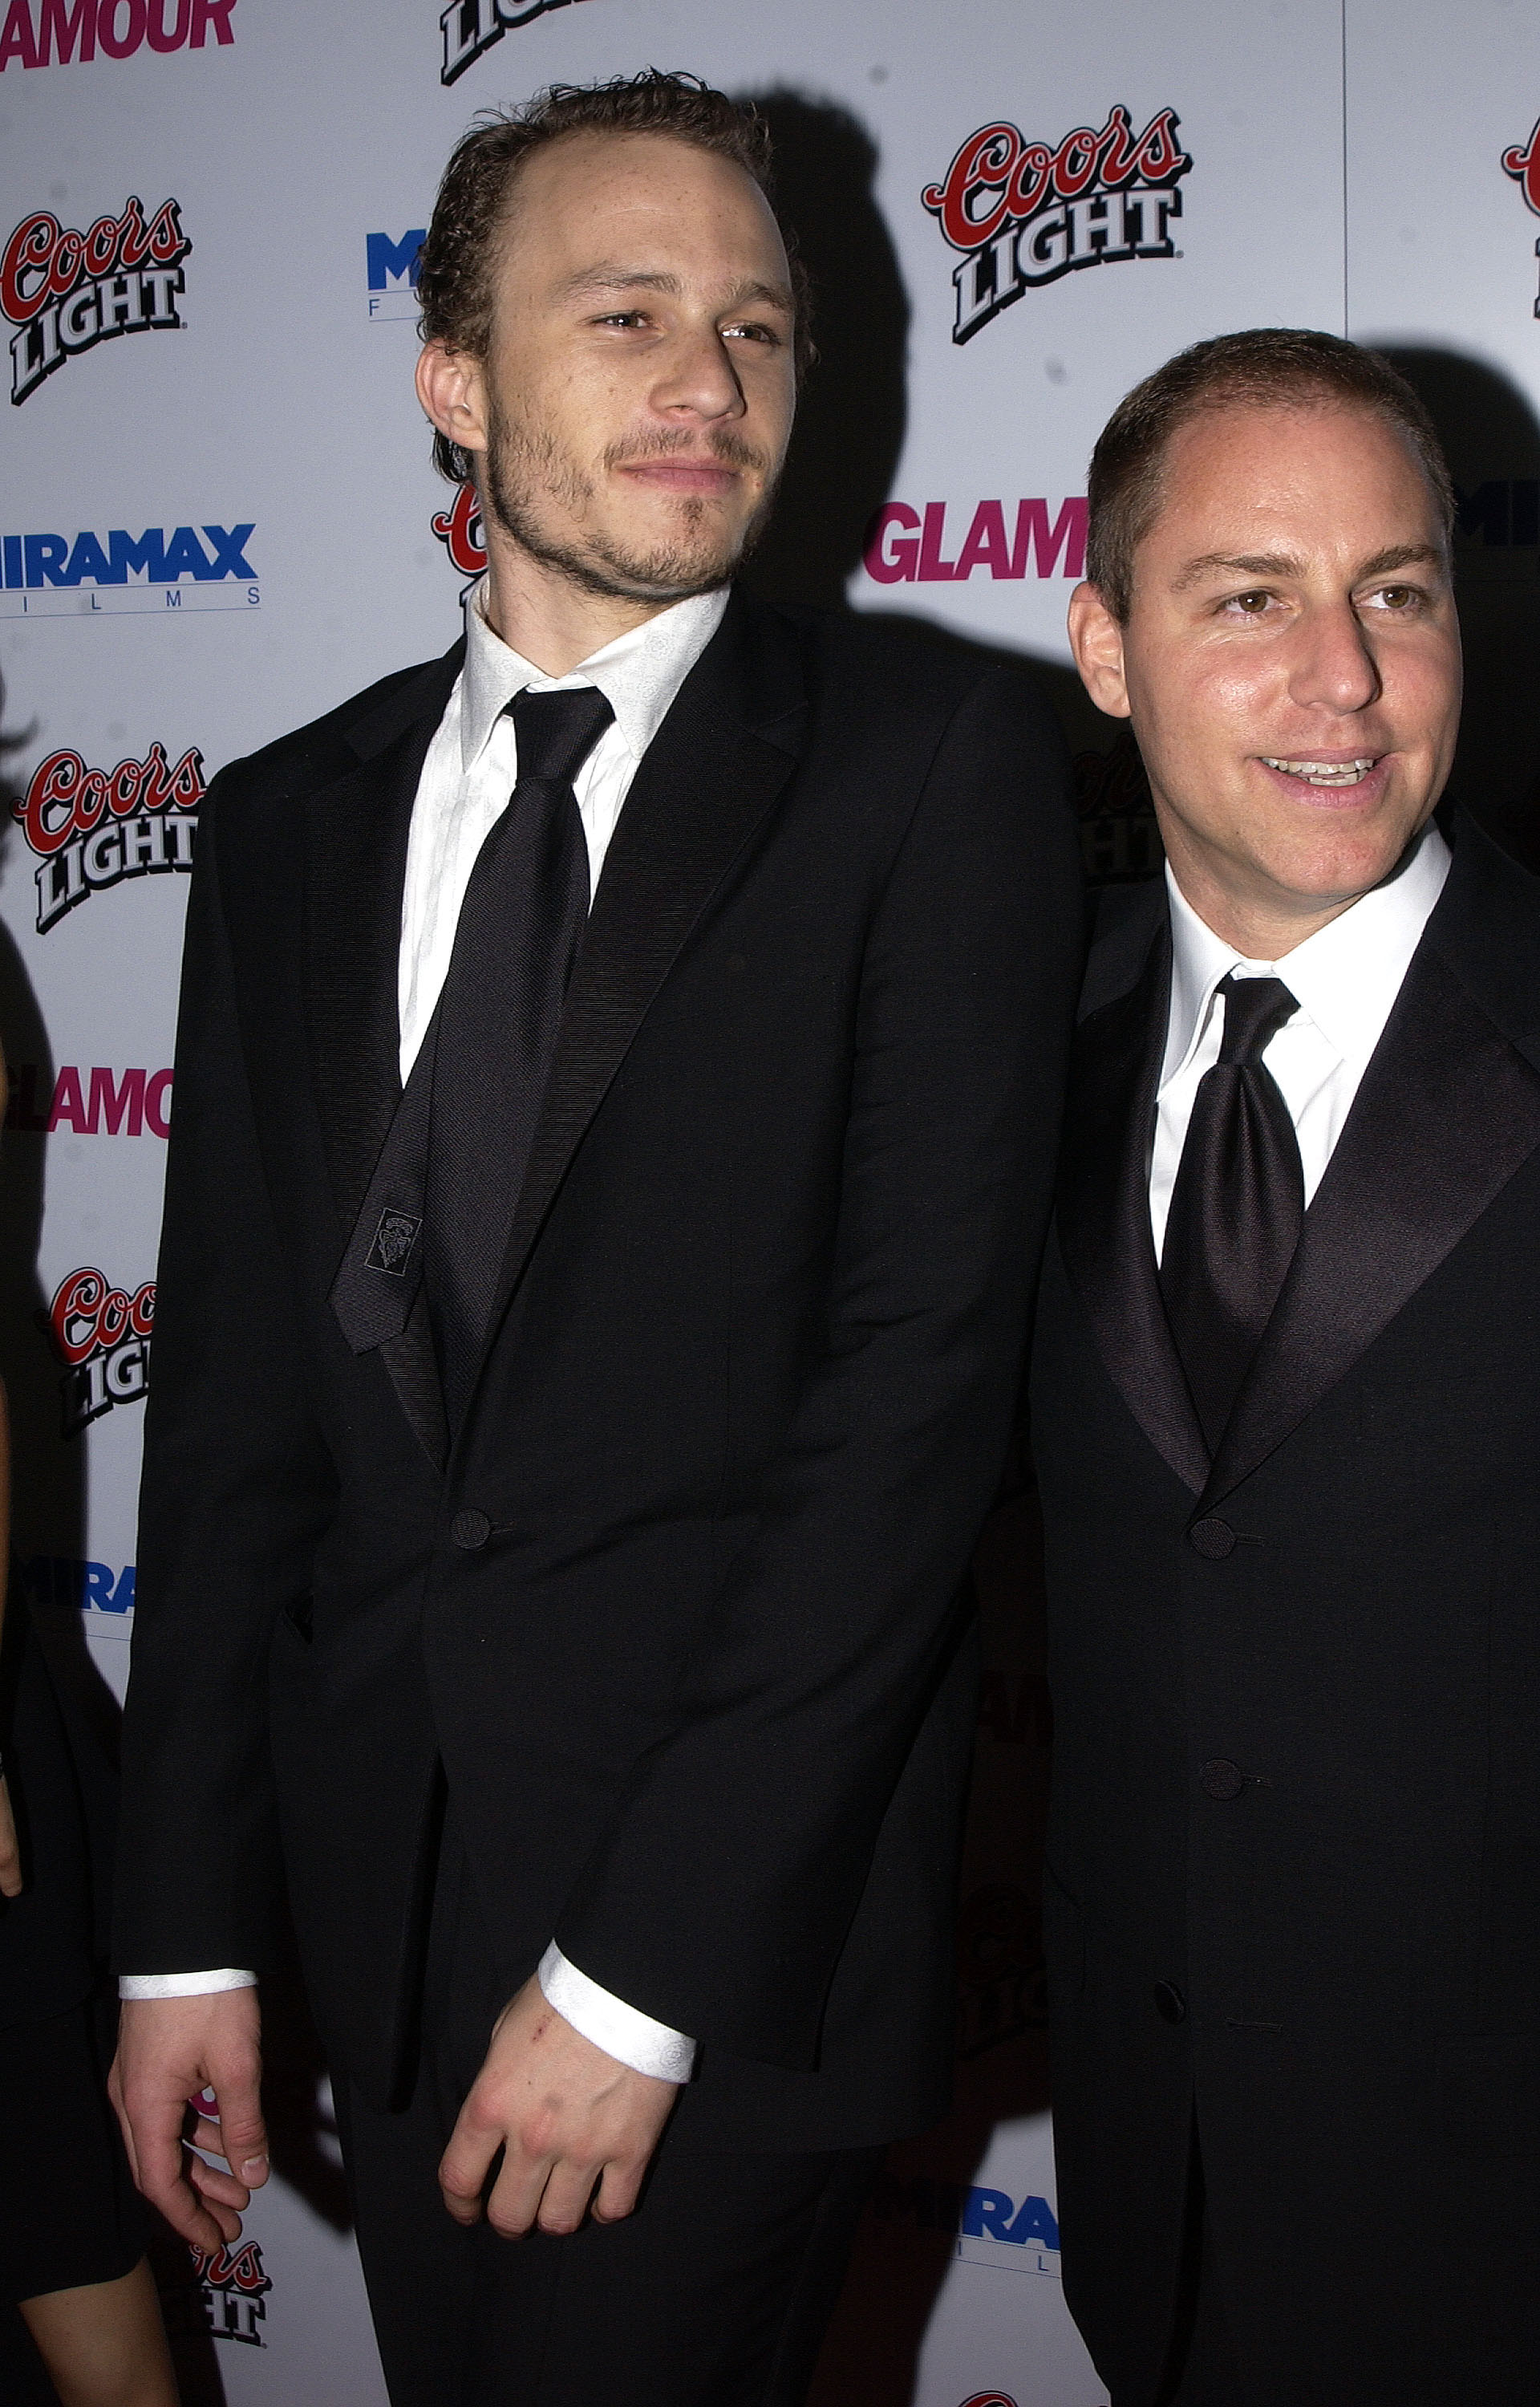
1343	871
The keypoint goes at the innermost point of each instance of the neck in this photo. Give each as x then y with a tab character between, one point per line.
1257	932
542	613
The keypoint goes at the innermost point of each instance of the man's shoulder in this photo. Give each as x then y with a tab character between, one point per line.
1127	920
327	747
1486	927
901	668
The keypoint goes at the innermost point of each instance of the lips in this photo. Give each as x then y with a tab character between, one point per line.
684	476
1325	773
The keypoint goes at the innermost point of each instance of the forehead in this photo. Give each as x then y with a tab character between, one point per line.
1333	475
637	200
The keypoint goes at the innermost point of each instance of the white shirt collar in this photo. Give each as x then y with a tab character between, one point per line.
1345	977
639	674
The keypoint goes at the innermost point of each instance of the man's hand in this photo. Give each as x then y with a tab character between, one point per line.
566	2116
169	2051
11	1854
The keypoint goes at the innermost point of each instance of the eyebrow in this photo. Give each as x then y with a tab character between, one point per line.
610	278
1282	563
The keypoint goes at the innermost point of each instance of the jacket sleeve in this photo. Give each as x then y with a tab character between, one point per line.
721	1896
236	1487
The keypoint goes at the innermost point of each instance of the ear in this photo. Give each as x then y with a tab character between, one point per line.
1096	638
450	388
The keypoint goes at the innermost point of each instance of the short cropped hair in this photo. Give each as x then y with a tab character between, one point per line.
455	276
1266	368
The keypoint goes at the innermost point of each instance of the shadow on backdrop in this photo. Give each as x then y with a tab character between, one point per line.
844	456
1490	434
851	416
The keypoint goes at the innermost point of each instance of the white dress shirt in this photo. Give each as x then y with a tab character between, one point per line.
1345	979
468	775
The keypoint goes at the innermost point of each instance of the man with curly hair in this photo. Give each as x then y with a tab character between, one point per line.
605	1190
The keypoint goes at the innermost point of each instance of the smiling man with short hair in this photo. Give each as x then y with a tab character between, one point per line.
619	1076
1287	1427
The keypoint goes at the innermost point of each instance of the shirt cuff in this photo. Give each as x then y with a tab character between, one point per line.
631	2038
137	1986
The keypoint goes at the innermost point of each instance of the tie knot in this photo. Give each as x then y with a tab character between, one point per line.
554	733
1254	1011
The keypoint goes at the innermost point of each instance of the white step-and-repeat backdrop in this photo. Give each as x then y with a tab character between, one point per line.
218	518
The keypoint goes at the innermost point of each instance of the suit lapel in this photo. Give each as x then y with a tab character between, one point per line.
356	834
709	779
1104	1191
1448	1111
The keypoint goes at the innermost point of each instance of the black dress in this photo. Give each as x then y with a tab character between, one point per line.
68	2211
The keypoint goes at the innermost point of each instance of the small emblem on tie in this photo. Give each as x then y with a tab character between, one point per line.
394	1239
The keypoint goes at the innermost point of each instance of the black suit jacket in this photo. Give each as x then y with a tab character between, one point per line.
1294	1856
677	1613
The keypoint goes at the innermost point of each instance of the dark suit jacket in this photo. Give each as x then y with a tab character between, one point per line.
1294	1852
678	1611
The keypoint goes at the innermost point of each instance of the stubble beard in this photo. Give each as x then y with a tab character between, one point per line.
528	477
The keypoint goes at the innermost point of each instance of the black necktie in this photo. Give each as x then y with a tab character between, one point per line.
441	1199
1236	1206
518	938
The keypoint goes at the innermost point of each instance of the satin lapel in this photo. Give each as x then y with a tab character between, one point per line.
356	833
1447	1113
709	778
1104	1208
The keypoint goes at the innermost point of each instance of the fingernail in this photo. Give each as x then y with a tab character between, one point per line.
254	2168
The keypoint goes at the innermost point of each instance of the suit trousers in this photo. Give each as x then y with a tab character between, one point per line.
1202	2368
714	2293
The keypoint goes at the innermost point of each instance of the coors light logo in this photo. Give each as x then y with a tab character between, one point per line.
100	1333
1523	163
1025	213
460	532
92	828
64	292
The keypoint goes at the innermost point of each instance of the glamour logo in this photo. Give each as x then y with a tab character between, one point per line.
120	571
907	546
1523	164
472	26
91	828
96	1102
460	532
393	272
100	1333
1025	213
65	292
45	32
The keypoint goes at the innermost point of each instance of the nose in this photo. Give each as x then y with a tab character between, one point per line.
698	379
1334	666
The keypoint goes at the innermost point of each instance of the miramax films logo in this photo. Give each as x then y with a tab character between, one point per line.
1523	164
1024	213
65	292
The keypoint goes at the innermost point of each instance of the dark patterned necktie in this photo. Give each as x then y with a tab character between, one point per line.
460	1137
520	929
1237	1207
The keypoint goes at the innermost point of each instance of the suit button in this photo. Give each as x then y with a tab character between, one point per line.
470	1528
1171	2004
1222	1779
1212	1538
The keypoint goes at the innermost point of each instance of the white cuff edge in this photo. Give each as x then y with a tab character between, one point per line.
136	1986
632	2038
